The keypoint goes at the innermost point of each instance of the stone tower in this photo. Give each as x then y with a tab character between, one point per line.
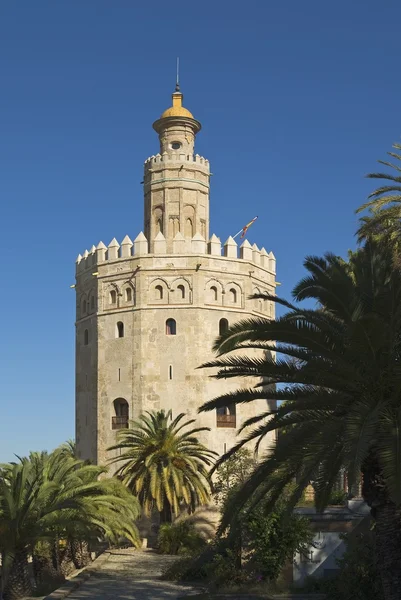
148	311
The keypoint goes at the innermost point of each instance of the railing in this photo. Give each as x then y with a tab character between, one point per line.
119	422
226	421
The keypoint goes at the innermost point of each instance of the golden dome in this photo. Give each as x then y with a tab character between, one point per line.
177	110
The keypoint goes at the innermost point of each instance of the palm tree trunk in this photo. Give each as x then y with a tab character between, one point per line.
387	516
80	553
166	515
18	584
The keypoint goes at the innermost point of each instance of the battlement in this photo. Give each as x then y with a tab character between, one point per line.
174	157
181	246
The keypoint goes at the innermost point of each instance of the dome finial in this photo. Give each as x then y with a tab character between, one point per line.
177	80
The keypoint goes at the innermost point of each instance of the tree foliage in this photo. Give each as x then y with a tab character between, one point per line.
48	496
383	218
164	464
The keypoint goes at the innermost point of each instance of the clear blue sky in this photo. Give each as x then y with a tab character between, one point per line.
297	100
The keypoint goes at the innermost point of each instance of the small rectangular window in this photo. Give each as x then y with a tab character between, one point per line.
170	372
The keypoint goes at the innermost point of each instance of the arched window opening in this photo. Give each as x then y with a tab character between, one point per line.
226	416
171	327
181	291
128	294
189	228
158	292
86	337
213	293
170	372
113	297
223	326
120	329
121	418
159	226
83	307
93	303
233	295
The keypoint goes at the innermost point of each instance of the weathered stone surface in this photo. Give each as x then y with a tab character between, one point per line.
181	278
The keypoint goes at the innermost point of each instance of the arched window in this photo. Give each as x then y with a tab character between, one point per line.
128	294
159	226
189	228
120	329
226	416
171	327
223	326
86	337
83	307
233	295
181	291
158	292
113	297
93	303
121	410
213	293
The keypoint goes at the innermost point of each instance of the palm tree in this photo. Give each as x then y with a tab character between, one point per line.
384	204
42	497
163	465
342	401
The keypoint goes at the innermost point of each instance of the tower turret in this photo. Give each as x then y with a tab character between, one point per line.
176	181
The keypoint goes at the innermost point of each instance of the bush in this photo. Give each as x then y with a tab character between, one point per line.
338	497
179	538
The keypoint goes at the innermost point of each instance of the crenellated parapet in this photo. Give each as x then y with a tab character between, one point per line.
167	158
181	246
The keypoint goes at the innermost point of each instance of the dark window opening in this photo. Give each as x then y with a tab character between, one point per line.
171	327
121	418
170	372
181	291
120	329
159	292
223	326
226	416
113	297
233	295
86	337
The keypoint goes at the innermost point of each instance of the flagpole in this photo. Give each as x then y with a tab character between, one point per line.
237	234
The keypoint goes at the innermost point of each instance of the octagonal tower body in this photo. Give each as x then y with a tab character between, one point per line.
148	311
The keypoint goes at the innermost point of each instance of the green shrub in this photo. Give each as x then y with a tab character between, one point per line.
179	538
338	497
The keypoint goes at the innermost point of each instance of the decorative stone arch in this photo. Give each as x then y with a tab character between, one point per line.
266	303
233	294
158	220
258	302
129	293
189	221
91	301
158	291
213	292
112	296
83	305
180	291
